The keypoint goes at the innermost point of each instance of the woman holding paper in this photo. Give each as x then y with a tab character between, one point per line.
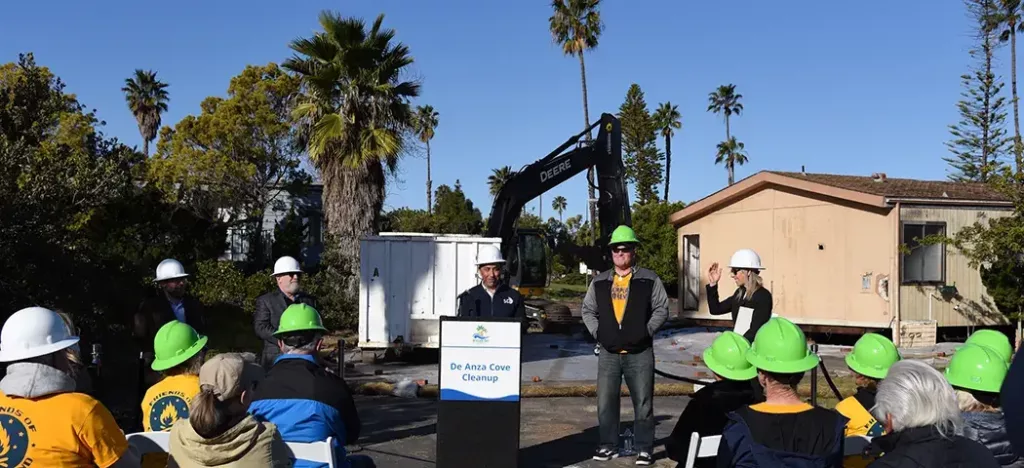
751	304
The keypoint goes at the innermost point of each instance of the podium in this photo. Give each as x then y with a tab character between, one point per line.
480	381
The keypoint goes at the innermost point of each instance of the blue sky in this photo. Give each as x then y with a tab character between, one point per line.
841	87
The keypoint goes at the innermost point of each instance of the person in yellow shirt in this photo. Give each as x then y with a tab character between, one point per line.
43	421
178	355
870	360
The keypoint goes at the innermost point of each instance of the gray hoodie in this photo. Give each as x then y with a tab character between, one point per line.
249	443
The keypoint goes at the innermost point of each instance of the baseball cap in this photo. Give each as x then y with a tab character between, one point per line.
228	375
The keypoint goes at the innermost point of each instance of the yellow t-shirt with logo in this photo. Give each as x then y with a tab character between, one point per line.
861	423
64	429
167	401
620	292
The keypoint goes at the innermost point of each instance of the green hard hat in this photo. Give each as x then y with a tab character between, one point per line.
299	317
623	235
872	356
727	357
780	346
175	343
978	368
993	340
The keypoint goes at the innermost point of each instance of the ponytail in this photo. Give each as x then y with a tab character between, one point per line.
208	415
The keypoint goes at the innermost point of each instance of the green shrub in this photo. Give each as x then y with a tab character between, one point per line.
574	278
229	296
331	285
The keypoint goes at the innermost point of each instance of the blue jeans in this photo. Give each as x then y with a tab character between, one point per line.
638	372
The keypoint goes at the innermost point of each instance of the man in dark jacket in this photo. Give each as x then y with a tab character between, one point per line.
172	302
491	298
270	306
623	309
298	395
735	386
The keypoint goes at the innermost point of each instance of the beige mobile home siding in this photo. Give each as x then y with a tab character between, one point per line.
810	285
974	306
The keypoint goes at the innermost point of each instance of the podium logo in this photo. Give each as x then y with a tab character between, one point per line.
480	336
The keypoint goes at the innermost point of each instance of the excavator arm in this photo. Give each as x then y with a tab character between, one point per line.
525	249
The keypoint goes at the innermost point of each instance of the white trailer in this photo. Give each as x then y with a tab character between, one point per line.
407	281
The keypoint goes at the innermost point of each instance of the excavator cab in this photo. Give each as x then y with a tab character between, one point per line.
528	262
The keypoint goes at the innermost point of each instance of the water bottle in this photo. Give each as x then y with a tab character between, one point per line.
627	444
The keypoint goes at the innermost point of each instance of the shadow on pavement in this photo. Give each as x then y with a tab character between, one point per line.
387	419
572	449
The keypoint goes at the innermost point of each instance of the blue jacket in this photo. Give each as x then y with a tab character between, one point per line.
806	439
307	404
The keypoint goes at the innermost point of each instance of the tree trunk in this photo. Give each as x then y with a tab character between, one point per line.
590	171
430	206
727	135
1017	148
985	140
728	167
668	164
145	146
352	200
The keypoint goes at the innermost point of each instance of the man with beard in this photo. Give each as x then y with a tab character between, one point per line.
172	302
270	306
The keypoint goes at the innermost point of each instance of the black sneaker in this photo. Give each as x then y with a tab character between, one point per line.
605	454
644	459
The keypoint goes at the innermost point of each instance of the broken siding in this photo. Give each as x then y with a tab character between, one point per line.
973	305
834	284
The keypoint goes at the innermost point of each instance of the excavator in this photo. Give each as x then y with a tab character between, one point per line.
526	250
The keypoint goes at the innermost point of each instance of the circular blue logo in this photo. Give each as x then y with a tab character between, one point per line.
14	441
165	411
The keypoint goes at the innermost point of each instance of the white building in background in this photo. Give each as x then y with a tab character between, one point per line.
309	207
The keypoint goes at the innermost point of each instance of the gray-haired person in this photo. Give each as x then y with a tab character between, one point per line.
919	410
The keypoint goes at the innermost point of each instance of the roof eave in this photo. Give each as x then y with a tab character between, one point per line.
764	178
947	201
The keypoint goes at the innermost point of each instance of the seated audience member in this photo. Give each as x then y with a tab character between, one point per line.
976	374
305	401
707	412
784	430
219	432
178	353
43	421
869	362
919	411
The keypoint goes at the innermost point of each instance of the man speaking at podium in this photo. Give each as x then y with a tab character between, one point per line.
491	298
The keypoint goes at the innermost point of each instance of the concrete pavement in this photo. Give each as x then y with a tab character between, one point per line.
555	432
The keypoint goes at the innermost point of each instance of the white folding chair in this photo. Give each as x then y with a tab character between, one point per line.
702	447
150	442
855	445
320	452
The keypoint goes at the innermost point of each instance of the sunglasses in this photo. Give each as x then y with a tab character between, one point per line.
623	249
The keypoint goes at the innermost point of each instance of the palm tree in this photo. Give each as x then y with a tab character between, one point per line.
559	204
731	153
425	123
576	26
353	117
498	178
725	100
147	98
668	120
1008	16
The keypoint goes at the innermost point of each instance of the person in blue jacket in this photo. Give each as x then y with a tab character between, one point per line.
299	396
491	298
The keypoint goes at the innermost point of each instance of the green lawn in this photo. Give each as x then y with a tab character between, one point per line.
557	291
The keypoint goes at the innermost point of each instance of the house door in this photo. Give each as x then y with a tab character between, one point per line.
691	271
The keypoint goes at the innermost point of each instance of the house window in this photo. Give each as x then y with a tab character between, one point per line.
923	263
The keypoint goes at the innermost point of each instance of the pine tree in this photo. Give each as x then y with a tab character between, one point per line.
641	156
980	142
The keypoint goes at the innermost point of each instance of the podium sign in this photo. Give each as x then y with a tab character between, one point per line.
480	379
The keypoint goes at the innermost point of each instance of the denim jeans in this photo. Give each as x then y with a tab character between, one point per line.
638	372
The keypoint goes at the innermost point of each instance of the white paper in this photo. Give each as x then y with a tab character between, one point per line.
743	320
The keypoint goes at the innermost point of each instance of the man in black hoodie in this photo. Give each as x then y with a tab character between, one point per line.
707	412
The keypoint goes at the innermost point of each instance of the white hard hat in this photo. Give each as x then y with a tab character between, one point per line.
33	332
170	269
488	255
285	265
747	259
